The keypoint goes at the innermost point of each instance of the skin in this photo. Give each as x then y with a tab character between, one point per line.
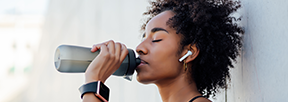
104	65
159	52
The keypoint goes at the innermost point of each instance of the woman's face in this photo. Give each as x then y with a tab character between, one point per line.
159	51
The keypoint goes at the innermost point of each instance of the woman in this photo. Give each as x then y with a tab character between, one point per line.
175	27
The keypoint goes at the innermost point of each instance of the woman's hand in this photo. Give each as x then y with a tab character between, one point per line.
107	62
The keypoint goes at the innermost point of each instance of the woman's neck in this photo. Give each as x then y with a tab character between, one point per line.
177	90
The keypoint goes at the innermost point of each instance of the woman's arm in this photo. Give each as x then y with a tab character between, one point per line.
90	97
104	65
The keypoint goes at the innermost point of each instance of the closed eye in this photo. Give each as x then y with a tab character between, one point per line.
157	40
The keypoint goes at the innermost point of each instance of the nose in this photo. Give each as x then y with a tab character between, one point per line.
141	49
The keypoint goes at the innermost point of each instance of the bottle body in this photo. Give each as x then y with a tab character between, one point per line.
76	59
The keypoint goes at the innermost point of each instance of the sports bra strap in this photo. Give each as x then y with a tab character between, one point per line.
195	98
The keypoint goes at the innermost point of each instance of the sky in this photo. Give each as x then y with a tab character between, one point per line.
23	6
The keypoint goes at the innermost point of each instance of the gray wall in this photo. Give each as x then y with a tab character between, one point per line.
261	73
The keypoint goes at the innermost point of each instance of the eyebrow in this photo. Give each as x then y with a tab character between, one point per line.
155	30
158	29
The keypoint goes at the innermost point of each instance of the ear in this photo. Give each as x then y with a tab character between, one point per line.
195	53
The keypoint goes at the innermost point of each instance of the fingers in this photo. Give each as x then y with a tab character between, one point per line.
104	50
107	62
111	46
117	50
98	46
114	50
124	52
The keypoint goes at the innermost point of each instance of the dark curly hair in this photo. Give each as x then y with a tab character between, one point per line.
209	25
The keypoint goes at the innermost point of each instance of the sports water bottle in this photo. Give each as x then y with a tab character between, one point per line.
76	59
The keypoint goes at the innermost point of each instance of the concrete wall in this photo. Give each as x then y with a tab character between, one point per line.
261	73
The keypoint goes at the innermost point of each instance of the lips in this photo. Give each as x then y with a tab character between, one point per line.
142	63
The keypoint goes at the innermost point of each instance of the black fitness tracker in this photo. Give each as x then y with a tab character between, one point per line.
101	91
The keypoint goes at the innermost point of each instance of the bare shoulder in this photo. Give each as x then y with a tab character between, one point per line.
202	99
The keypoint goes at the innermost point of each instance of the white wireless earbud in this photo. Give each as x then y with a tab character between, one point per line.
185	56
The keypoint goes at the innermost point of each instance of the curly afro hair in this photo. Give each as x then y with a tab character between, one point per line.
209	25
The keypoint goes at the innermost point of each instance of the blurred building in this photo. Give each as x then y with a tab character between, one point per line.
20	31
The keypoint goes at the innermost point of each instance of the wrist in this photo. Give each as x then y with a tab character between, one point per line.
100	90
89	79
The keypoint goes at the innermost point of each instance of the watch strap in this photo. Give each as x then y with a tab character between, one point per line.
98	88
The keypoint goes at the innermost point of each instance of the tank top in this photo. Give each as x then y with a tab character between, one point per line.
195	98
